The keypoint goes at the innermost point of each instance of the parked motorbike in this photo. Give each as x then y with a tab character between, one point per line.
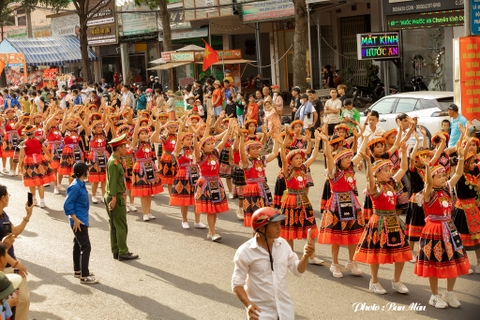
363	96
417	84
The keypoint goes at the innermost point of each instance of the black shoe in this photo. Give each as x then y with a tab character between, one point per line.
128	256
115	256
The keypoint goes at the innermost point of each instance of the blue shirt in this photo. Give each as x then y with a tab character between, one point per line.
5	218
455	131
77	202
141	102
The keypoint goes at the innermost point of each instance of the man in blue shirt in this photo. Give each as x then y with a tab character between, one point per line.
76	207
141	102
455	120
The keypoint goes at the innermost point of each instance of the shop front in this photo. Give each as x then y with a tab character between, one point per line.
426	28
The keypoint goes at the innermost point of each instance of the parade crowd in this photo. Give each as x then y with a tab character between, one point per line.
132	143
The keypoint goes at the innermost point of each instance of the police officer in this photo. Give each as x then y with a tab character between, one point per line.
115	200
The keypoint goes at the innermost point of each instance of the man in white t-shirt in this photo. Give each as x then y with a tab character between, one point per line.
333	108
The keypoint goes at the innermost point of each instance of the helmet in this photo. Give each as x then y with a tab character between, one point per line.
264	216
149	90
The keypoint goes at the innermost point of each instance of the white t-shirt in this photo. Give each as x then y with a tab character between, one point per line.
334	118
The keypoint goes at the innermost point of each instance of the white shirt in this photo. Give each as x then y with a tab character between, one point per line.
377	134
266	288
334	118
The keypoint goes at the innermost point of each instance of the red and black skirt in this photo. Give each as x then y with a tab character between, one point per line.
37	171
299	216
226	169
183	189
71	154
210	196
280	188
167	167
466	217
414	221
145	179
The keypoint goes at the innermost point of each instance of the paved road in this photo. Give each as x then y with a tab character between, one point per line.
181	275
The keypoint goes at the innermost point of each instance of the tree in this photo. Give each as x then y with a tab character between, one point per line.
300	44
5	17
166	28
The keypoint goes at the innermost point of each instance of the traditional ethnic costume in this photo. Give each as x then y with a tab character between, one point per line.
183	187
11	140
145	180
383	239
257	193
72	153
55	146
209	191
37	171
168	164
296	206
98	156
441	253
466	214
415	218
342	223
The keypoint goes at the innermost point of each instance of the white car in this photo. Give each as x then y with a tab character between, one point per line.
429	106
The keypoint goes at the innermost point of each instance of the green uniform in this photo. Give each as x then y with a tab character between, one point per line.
117	216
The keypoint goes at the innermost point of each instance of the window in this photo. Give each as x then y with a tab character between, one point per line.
445	103
406	105
22	21
384	106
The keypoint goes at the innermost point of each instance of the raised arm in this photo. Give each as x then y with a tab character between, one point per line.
403	164
439	150
243	154
314	155
363	148
414	151
272	156
428	182
369	174
225	138
461	162
283	155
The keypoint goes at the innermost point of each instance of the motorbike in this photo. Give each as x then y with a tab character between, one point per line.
363	96
417	84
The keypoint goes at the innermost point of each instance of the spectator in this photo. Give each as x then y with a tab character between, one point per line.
456	119
9	284
252	109
295	103
264	292
12	262
76	207
156	84
229	89
277	100
141	102
128	99
197	91
446	126
328	77
240	108
317	104
230	108
217	100
306	112
333	107
341	88
350	115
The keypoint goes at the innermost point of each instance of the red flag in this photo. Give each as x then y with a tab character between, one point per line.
210	56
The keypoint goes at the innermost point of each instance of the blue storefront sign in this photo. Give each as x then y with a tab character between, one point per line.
475	16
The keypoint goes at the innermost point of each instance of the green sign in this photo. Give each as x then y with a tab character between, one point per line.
447	18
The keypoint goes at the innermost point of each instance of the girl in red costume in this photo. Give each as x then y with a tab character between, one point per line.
182	193
209	191
35	166
441	253
168	164
296	206
383	239
54	141
145	180
128	162
256	192
98	157
11	141
342	222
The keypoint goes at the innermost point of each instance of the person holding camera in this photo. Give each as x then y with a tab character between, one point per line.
12	264
76	207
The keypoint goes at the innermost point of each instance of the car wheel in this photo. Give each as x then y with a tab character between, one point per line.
429	136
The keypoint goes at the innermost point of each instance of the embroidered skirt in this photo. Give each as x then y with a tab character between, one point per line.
68	160
254	199
56	156
182	192
466	217
143	186
210	196
367	207
167	168
439	257
326	194
342	223
299	217
374	247
7	149
238	176
97	172
280	188
226	169
414	221
37	171
309	178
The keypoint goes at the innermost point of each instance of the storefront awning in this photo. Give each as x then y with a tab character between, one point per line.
48	51
168	66
233	61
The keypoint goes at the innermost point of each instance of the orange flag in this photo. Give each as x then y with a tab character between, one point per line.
210	56
2	65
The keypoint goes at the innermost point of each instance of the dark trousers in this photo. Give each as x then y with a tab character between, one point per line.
331	129
81	251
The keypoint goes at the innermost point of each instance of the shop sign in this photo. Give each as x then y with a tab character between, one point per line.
223	54
437	19
203	9
384	45
186	34
266	10
475	16
38	32
137	23
182	56
102	26
68	25
470	76
166	56
394	7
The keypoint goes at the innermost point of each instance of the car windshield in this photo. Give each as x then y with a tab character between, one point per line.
384	106
445	103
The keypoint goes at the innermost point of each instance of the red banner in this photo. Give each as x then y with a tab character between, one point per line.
470	76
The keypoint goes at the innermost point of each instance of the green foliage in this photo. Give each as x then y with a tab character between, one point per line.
372	74
346	73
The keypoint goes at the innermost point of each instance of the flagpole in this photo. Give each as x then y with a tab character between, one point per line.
210	42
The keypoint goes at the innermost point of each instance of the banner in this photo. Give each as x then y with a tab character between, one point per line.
470	76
